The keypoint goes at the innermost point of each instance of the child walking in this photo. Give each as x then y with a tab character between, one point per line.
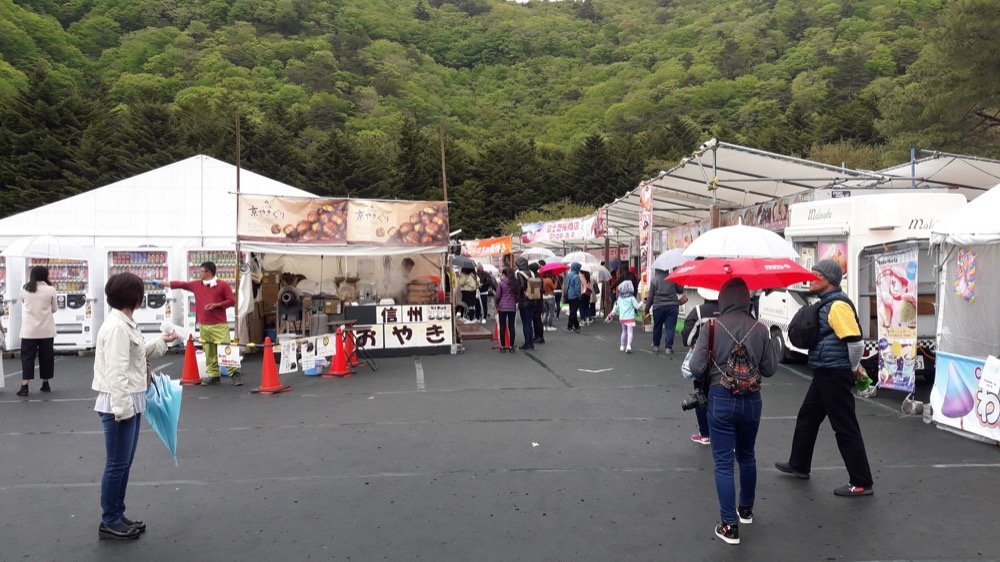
625	308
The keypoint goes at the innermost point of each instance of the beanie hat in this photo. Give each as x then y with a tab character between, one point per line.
829	270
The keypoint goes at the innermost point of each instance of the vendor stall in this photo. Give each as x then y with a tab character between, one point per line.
966	396
375	265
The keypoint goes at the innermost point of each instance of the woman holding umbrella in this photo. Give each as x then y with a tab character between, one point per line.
121	375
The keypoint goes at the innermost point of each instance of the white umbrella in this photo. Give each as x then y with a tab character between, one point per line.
491	269
740	242
581	257
597	271
46	246
535	254
670	259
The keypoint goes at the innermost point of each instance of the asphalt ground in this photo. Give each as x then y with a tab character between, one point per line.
571	452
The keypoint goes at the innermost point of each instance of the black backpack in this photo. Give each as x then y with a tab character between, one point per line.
803	330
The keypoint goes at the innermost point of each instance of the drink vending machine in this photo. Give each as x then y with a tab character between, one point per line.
225	270
10	309
75	318
153	266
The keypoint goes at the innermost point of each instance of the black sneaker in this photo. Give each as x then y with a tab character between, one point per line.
850	490
787	469
538	340
746	515
526	347
137	524
237	379
23	391
45	387
206	381
117	532
728	532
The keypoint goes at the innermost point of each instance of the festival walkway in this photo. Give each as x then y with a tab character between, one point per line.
571	452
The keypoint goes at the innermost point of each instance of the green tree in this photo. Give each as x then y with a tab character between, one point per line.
592	172
420	11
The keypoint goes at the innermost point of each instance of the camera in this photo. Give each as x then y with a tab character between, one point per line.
694	400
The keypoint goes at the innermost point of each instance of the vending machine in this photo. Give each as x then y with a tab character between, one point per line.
10	308
225	269
153	266
75	318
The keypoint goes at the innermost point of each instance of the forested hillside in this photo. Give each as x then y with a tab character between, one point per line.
539	101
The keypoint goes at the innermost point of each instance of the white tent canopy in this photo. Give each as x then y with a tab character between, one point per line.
970	175
975	223
188	203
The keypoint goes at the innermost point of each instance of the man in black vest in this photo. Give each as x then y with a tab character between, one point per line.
836	363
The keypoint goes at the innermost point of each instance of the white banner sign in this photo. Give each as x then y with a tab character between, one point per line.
229	356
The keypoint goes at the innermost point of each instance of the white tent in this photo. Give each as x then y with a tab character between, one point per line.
968	326
969	175
191	203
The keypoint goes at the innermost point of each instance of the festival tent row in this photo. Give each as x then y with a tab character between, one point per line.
966	392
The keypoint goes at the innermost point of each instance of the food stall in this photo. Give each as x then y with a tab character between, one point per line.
327	262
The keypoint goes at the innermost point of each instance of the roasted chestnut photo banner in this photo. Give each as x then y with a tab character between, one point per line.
292	220
397	223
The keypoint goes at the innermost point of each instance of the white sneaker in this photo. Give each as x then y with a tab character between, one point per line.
621	348
628	349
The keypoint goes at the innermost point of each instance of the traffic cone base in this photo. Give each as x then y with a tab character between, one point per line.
269	381
350	348
190	374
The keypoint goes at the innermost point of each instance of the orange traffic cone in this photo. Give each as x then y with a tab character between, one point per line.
269	381
349	348
496	333
338	365
190	374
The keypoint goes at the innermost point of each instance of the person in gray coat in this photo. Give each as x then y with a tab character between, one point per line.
663	302
733	419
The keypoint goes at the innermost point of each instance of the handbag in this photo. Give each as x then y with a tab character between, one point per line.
686	364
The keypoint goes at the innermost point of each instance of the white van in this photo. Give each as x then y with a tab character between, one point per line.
853	230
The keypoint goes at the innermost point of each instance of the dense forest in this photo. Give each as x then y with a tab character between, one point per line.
540	103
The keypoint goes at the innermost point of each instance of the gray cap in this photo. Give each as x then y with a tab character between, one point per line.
829	270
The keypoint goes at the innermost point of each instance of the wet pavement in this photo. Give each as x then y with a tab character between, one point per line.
571	452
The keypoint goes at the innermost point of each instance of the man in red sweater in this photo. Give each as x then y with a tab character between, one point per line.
212	296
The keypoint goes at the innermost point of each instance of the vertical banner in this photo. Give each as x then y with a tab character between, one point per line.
896	300
645	235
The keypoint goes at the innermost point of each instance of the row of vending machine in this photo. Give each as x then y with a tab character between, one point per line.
79	285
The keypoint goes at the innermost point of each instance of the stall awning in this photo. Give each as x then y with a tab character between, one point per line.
970	175
974	223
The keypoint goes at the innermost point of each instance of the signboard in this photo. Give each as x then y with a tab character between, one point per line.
322	221
296	220
966	394
229	356
326	345
896	300
289	362
645	235
397	223
487	248
557	231
307	354
682	236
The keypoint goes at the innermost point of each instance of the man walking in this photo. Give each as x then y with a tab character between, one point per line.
663	302
526	301
212	296
836	363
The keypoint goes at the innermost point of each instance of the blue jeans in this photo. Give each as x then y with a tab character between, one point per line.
665	317
734	421
528	324
702	414
120	440
550	310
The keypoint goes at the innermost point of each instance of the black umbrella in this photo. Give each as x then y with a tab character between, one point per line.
462	262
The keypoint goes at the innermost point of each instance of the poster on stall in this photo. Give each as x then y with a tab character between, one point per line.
645	235
307	354
560	230
487	248
229	356
896	301
965	275
397	223
966	394
292	220
289	358
326	345
836	251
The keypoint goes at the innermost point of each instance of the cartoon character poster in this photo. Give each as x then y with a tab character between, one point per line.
896	300
965	275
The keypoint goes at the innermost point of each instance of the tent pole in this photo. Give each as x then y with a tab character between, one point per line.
238	261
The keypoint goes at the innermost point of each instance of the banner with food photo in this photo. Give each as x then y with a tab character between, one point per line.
297	220
896	300
397	223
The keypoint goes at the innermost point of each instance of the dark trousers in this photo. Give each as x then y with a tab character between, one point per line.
484	305
120	440
665	318
558	302
829	395
507	330
536	321
574	321
470	298
702	415
41	348
528	323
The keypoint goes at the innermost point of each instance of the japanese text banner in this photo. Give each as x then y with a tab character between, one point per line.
292	220
486	248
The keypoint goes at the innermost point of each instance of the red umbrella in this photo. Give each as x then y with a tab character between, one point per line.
555	268
759	273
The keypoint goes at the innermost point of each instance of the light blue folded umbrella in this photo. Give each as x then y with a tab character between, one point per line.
163	410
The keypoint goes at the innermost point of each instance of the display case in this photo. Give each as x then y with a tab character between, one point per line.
226	266
76	326
153	266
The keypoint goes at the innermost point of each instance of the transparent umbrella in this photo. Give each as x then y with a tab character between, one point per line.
581	257
597	271
46	246
535	254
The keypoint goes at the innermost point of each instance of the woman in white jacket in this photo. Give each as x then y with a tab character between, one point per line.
120	378
38	329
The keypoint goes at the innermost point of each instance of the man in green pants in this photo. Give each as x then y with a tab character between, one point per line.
212	296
